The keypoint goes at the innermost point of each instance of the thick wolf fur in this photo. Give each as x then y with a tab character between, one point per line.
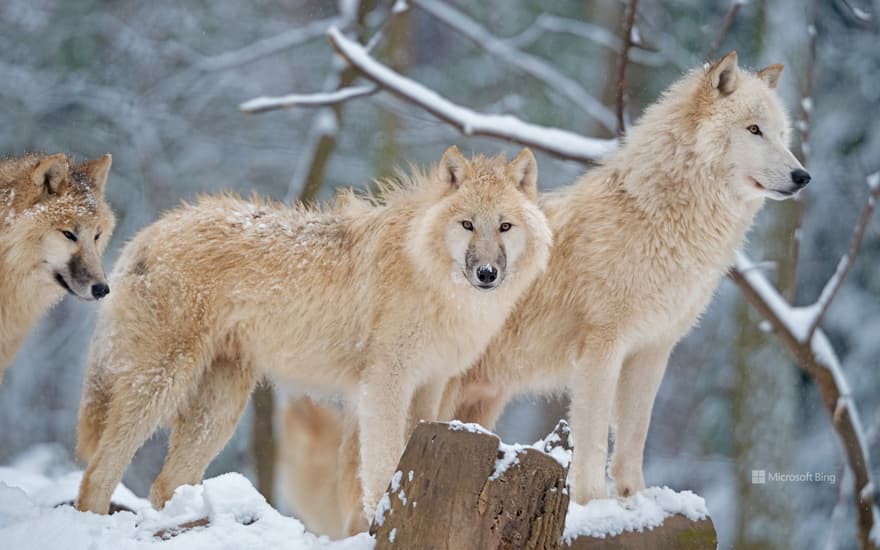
640	244
366	300
41	198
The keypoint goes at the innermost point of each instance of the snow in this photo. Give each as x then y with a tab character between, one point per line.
643	511
559	142
473	427
239	517
509	452
873	181
32	487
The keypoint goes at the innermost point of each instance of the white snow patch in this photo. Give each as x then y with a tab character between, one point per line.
807	104
645	510
873	180
381	508
458	426
239	517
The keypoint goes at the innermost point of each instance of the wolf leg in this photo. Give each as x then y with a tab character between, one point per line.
132	416
592	395
639	380
348	482
477	404
203	426
383	403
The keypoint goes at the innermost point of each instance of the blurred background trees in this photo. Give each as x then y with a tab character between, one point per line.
158	85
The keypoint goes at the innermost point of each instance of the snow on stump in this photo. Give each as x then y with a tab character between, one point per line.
458	486
677	532
656	517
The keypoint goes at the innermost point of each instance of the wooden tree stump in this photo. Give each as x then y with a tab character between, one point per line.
677	532
458	487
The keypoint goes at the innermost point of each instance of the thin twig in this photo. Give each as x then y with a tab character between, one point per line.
560	143
735	5
846	262
803	127
624	61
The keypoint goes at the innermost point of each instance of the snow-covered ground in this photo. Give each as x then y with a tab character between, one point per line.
34	484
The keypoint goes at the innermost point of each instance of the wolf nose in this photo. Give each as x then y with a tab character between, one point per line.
487	274
800	177
99	290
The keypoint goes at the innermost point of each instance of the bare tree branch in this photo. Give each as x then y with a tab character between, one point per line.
624	61
845	264
267	46
532	65
817	358
557	142
735	6
545	22
803	128
340	95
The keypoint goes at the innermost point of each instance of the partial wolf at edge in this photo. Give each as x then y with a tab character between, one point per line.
54	226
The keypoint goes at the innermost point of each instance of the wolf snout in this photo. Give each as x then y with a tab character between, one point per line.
487	274
99	290
800	177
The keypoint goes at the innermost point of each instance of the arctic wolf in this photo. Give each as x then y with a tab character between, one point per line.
640	244
368	301
54	226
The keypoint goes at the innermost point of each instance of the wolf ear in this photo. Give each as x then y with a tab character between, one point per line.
97	171
771	74
452	167
524	169
724	74
50	173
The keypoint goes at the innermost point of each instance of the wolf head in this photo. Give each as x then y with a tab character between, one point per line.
740	115
486	228
63	223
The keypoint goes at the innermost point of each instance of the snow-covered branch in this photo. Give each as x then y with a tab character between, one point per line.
325	99
560	143
845	264
816	356
531	65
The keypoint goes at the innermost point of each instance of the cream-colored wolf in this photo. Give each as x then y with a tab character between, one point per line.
640	244
369	301
54	226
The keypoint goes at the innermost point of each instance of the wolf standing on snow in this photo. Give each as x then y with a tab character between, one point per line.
54	226
370	301
640	244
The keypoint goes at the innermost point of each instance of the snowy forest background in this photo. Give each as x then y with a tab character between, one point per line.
158	84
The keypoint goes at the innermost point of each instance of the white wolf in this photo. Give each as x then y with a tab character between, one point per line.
640	244
371	301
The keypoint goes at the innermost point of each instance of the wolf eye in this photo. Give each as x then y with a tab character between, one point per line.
97	236
70	236
753	129
467	225
505	227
